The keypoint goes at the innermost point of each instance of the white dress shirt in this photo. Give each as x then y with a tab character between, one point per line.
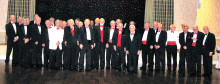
14	26
185	36
111	33
194	36
25	30
173	36
157	36
39	29
144	38
204	40
88	34
132	36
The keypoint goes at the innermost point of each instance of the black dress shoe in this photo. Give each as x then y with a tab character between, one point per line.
81	70
143	68
181	75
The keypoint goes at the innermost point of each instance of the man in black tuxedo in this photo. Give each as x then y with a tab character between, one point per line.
133	48
195	52
46	48
86	44
185	43
110	56
20	25
71	35
119	45
147	46
209	43
100	44
12	32
161	38
38	35
24	37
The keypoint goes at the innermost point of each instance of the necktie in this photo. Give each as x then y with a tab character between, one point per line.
172	31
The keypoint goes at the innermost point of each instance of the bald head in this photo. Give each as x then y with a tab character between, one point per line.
206	29
12	18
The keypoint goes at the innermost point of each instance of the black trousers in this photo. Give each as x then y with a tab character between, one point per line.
55	59
100	55
207	64
171	51
86	50
182	62
70	57
46	55
24	55
77	56
132	61
160	59
147	56
15	54
37	55
120	58
93	55
110	57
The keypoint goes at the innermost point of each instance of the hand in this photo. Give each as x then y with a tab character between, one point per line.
107	45
115	48
139	52
178	50
92	46
210	54
43	44
80	46
26	40
194	39
127	52
77	42
36	42
184	47
65	43
158	47
15	39
151	46
57	43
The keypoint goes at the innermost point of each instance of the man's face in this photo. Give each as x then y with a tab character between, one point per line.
112	24
186	29
38	20
155	25
86	22
77	22
132	28
20	20
146	25
102	21
206	30
80	24
64	24
131	23
25	21
91	23
12	18
173	28
195	29
48	24
57	23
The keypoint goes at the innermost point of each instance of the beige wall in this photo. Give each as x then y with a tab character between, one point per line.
3	15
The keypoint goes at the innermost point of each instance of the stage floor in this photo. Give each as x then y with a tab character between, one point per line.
18	75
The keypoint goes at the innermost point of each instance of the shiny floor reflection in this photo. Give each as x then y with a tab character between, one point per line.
18	75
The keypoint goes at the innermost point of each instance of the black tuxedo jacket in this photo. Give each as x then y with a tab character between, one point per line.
83	37
98	35
123	38
188	42
150	36
109	30
198	47
135	45
36	36
162	39
71	40
11	32
22	35
210	43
